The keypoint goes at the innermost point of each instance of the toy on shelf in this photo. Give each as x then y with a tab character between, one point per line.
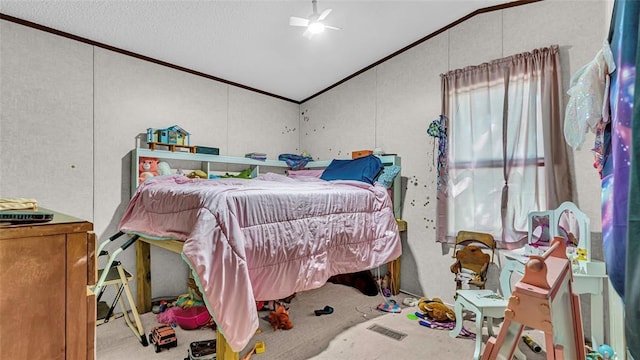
164	168
174	137
197	174
147	168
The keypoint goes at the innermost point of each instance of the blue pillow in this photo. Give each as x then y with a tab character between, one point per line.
361	169
387	175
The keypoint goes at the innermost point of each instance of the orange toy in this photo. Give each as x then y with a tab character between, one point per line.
279	318
148	167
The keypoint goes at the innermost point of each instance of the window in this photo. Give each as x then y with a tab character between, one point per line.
505	154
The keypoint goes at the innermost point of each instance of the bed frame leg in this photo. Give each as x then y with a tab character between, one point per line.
223	350
143	277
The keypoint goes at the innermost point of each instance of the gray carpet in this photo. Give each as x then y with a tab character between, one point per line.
341	335
310	335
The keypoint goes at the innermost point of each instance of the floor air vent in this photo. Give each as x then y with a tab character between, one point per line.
387	332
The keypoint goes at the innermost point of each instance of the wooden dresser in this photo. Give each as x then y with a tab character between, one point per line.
47	310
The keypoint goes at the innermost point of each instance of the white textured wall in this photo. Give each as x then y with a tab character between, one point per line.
70	114
391	106
46	135
64	104
130	96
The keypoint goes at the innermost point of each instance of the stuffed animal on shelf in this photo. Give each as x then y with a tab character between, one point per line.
197	174
147	167
164	168
436	309
279	318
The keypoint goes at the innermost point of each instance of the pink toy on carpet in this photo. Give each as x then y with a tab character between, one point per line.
168	316
190	318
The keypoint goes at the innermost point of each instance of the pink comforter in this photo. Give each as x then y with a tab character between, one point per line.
265	238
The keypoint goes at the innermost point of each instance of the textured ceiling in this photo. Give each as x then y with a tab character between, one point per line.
251	42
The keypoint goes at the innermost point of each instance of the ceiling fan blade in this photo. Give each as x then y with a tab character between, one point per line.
296	21
324	14
332	27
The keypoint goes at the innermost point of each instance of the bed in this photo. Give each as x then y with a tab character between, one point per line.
265	238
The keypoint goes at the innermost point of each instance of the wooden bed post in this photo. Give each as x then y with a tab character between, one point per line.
223	350
143	276
393	267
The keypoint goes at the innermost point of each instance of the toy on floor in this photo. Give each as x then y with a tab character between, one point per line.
410	301
258	348
279	318
163	337
389	306
202	350
531	343
271	304
448	325
436	309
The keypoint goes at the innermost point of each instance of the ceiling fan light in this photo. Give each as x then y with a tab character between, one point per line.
316	27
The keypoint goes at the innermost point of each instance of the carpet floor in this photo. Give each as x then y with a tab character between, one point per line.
355	330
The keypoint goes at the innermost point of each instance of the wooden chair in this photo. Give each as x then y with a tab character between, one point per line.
486	305
471	262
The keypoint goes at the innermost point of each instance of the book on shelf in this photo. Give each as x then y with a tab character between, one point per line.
256	156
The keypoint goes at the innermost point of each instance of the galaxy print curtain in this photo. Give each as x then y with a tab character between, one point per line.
621	170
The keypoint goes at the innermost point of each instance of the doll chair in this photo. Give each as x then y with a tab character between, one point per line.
472	263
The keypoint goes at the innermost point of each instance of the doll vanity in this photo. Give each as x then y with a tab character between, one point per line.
589	276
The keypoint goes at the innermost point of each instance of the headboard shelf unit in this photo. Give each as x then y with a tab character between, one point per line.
211	163
207	162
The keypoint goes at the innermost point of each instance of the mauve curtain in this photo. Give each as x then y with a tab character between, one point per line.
506	155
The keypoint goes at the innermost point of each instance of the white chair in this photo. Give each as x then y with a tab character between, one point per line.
484	304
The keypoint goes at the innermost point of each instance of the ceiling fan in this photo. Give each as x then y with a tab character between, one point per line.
314	23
